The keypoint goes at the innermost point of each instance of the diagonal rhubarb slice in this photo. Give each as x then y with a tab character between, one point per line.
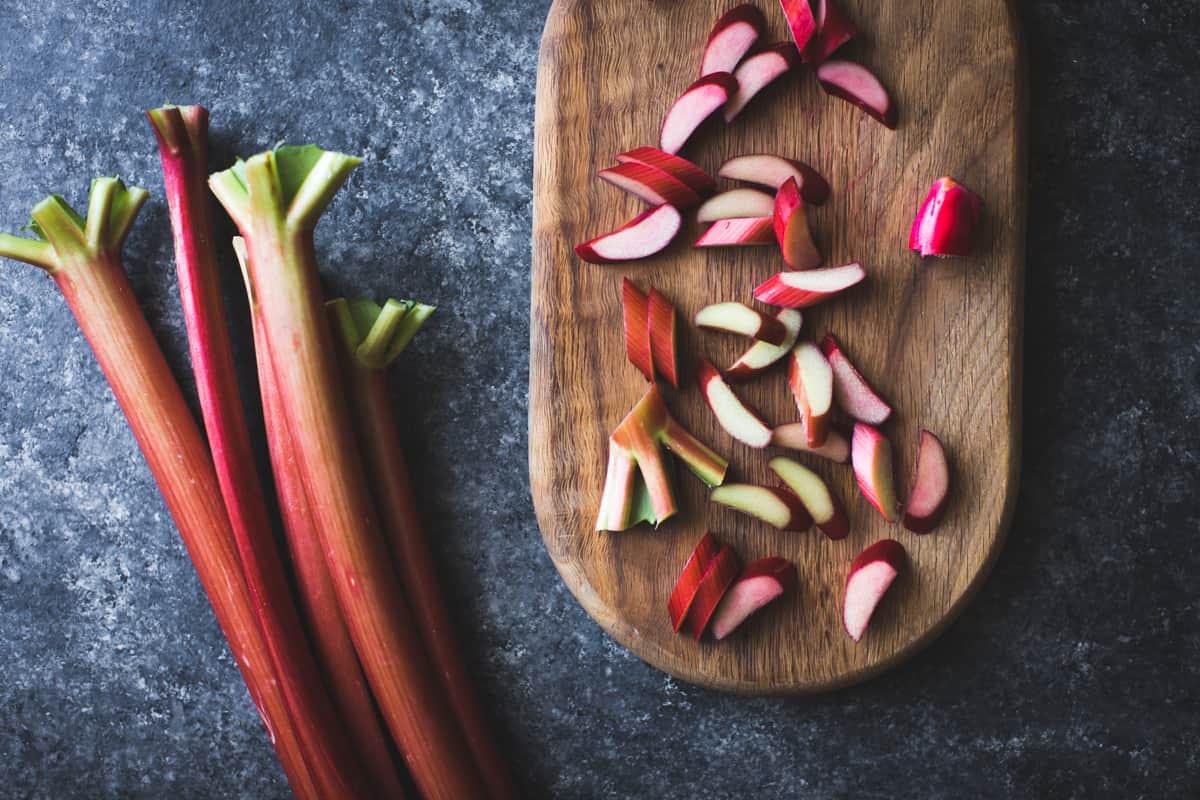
701	182
834	29
801	22
811	380
774	506
720	575
856	84
804	288
732	37
792	230
771	172
760	584
741	319
758	72
738	232
635	309
635	447
643	236
850	389
663	338
871	453
651	184
739	420
946	222
871	575
930	486
794	437
761	355
736	204
688	584
697	103
823	505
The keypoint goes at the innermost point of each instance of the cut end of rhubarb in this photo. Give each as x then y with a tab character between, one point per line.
776	507
741	319
792	230
851	390
736	204
697	103
871	575
761	355
945	225
734	416
772	171
811	380
834	29
760	584
731	38
827	512
643	236
930	487
758	72
855	84
871	454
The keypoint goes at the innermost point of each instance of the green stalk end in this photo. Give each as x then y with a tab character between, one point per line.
62	234
377	335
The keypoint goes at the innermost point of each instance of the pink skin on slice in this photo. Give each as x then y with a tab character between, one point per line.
736	204
800	21
731	38
850	389
688	584
760	583
946	222
791	228
931	486
662	338
650	184
800	289
834	29
720	575
643	236
738	233
701	182
871	454
856	84
635	311
761	355
696	104
871	575
772	171
757	72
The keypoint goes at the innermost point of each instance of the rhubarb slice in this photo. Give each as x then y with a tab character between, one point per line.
663	340
741	319
794	437
801	22
634	448
871	454
855	84
757	72
751	231
930	486
772	172
850	389
791	228
684	593
635	308
777	507
834	29
945	225
804	288
651	184
643	236
738	419
736	204
697	103
720	575
761	583
731	38
701	182
761	355
826	510
871	575
811	380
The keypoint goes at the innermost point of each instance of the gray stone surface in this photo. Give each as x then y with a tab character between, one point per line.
1073	674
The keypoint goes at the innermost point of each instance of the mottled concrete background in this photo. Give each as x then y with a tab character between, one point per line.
1072	675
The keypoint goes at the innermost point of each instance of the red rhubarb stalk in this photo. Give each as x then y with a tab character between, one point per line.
275	199
182	134
83	257
373	337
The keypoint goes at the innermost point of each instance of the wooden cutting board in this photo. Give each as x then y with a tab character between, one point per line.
940	339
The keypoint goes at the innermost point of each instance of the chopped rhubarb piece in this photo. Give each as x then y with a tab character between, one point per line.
850	389
772	171
643	236
760	584
871	454
731	38
811	381
822	504
791	228
800	21
741	319
688	584
762	355
757	72
720	575
855	84
946	222
697	103
749	231
651	184
804	288
635	307
663	331
794	437
834	29
736	204
871	575
701	182
930	487
774	506
739	420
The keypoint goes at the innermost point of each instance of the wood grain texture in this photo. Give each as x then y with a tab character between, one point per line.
940	339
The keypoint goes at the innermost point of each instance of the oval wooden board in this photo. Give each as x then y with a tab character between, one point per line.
940	339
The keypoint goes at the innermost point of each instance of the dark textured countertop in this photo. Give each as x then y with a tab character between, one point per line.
1073	674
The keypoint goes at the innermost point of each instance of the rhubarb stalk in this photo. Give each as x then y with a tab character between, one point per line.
331	639
275	199
372	338
182	134
83	257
